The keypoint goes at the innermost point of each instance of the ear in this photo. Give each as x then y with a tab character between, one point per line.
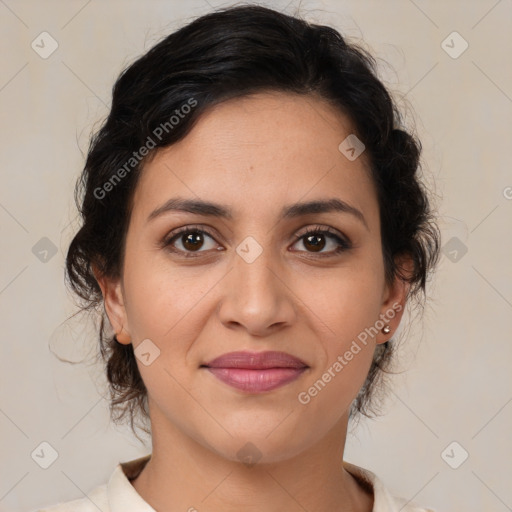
394	298
114	305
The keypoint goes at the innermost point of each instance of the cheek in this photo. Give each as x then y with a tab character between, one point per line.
347	312
160	298
346	300
350	312
346	307
170	308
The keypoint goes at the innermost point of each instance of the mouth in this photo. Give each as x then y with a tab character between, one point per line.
256	372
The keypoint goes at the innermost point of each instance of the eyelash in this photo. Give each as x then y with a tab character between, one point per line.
343	243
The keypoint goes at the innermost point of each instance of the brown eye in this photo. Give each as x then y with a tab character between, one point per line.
192	241
315	242
188	241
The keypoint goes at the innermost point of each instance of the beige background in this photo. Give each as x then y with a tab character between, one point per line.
457	386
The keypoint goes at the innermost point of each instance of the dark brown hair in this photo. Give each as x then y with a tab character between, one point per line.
227	54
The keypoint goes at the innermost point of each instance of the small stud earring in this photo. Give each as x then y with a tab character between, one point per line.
386	329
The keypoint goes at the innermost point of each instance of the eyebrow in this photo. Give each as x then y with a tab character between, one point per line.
200	207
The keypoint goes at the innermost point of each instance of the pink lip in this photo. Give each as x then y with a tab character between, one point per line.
256	371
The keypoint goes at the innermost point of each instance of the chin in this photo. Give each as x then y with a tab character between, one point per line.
252	445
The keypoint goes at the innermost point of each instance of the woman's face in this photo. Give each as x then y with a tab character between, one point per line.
248	280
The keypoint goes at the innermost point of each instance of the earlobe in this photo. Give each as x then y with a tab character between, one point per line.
394	300
114	305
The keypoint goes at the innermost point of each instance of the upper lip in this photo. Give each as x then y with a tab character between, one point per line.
256	360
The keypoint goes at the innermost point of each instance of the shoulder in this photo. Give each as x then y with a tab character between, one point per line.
384	501
117	495
95	501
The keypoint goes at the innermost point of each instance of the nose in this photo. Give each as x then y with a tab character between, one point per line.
257	296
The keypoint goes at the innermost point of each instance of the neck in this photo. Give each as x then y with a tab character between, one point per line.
185	475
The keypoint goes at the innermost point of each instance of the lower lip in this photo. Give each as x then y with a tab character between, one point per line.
256	381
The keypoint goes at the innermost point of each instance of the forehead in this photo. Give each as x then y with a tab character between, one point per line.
285	125
259	150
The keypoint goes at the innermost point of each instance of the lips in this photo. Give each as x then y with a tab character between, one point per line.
256	361
256	372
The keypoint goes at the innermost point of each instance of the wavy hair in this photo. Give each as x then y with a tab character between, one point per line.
222	55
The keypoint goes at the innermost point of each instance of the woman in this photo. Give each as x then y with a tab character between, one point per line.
254	225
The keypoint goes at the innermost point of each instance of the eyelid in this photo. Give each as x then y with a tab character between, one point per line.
319	228
342	241
175	233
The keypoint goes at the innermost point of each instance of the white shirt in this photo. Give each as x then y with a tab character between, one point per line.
119	495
